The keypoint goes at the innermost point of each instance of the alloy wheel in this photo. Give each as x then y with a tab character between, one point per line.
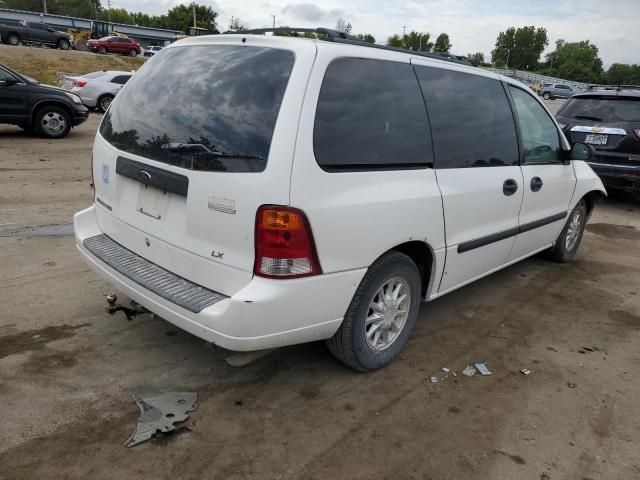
387	314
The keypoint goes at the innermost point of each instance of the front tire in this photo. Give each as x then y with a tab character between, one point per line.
103	103
52	122
381	315
102	50
13	39
133	53
546	96
566	246
64	44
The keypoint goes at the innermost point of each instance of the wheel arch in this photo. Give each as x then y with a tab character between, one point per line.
49	103
422	255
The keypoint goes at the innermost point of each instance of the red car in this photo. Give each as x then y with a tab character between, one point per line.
113	44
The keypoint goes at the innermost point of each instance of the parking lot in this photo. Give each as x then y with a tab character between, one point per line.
67	368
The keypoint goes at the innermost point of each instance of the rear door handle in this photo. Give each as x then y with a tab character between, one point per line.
536	184
509	187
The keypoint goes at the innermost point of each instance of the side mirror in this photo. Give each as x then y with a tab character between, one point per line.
8	82
582	151
51	29
3	83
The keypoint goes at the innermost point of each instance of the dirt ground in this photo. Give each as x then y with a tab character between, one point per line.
67	368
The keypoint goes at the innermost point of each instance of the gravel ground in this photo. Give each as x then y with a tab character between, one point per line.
67	368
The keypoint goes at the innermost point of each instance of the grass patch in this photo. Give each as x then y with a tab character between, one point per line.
44	64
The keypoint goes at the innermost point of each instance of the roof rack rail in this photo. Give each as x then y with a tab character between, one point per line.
336	36
613	87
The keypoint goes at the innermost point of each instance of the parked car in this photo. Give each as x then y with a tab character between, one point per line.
31	32
151	50
295	190
48	111
115	44
551	91
97	89
608	119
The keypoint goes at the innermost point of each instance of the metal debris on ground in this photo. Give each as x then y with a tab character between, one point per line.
445	370
482	369
242	359
159	411
525	371
469	371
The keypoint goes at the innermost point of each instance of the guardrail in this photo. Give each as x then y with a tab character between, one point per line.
536	77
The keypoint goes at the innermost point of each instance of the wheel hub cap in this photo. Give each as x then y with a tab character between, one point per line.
53	122
387	313
573	232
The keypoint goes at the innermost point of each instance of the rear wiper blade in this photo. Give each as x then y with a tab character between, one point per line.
588	117
174	146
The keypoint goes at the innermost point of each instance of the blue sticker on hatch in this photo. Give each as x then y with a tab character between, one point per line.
105	173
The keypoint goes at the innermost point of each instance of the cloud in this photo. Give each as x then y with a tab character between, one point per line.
310	12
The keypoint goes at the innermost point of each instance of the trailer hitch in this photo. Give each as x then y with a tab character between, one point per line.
129	312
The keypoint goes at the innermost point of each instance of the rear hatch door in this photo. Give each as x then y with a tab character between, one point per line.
195	143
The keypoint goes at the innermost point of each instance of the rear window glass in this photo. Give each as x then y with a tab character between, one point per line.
210	108
471	120
601	109
371	115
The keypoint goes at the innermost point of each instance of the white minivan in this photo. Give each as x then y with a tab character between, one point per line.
260	191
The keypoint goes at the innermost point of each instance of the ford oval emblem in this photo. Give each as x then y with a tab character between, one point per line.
144	176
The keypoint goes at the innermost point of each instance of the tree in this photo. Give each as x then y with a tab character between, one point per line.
520	48
366	37
476	59
343	26
418	42
577	61
442	44
237	25
118	15
623	74
73	8
180	17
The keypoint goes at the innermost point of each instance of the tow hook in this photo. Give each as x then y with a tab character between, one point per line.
129	312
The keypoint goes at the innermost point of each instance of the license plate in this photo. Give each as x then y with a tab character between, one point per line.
596	139
152	202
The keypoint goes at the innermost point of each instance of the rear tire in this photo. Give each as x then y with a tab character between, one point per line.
378	321
102	49
103	103
64	44
546	96
13	39
566	246
52	122
133	53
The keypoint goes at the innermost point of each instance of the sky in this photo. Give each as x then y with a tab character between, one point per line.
473	25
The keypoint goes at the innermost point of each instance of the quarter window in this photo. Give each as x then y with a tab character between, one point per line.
471	120
371	115
539	133
121	79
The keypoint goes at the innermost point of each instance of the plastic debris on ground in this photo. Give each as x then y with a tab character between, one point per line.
525	371
482	369
159	411
469	371
434	379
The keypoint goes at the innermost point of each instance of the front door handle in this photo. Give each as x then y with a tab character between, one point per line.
536	184
509	187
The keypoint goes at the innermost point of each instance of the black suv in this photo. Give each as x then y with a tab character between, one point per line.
609	119
48	111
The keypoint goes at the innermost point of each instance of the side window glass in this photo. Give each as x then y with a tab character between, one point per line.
6	76
371	115
471	119
540	138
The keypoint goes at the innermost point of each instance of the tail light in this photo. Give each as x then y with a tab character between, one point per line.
79	83
637	132
284	244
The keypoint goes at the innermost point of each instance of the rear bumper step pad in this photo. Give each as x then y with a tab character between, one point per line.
167	285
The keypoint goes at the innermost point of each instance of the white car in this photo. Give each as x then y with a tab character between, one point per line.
293	190
151	50
97	89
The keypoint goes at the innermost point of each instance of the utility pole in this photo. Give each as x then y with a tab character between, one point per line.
109	5
274	21
194	14
44	6
404	28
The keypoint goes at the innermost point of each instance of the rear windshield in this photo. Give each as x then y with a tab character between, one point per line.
209	107
600	109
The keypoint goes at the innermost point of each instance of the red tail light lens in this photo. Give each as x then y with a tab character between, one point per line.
79	83
637	132
284	244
